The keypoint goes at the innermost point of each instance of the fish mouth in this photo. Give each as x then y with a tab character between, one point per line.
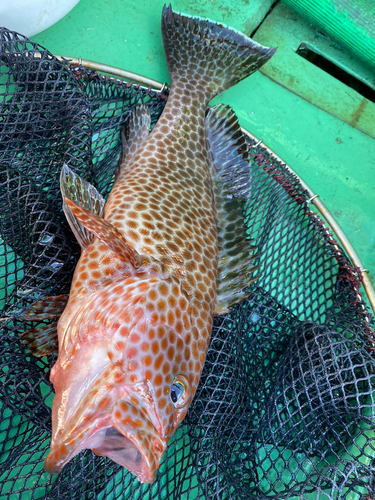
129	453
127	438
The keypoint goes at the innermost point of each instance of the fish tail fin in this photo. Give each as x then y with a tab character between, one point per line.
209	56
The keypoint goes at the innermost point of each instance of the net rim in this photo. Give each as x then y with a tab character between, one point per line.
314	198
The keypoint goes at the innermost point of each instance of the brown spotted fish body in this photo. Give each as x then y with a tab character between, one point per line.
160	258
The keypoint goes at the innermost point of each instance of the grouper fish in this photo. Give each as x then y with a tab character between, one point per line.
165	254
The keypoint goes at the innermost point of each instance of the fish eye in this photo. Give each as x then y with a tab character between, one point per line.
180	391
177	391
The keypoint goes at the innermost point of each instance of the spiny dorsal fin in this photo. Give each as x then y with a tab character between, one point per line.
82	193
231	174
135	131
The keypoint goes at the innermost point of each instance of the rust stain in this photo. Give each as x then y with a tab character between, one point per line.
358	112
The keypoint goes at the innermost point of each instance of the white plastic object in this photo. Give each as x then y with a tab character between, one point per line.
30	17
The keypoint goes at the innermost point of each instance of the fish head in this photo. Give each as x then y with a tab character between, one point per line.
157	375
159	358
111	424
123	394
153	393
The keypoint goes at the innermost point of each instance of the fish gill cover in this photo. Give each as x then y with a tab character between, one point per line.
285	407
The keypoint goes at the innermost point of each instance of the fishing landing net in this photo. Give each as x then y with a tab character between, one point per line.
285	408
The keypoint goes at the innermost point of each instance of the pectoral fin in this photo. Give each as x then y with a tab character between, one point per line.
82	193
106	233
232	182
115	241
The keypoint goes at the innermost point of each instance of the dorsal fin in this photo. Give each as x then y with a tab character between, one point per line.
135	131
231	174
229	151
82	193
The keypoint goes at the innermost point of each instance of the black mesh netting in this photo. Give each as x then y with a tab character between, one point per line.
285	408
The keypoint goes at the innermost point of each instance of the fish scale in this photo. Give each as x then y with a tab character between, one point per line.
195	248
135	332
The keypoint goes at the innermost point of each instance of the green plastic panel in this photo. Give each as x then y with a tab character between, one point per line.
286	30
351	23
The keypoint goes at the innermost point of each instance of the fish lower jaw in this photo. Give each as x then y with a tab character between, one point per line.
139	450
126	452
62	452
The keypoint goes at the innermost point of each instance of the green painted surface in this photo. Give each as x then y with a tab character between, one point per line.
335	159
307	80
351	23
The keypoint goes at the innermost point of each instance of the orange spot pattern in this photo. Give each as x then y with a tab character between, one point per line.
156	326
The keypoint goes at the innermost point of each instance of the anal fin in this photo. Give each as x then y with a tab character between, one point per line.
135	132
232	181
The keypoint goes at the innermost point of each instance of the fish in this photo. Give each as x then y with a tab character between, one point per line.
159	259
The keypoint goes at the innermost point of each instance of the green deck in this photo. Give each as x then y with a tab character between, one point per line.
334	158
